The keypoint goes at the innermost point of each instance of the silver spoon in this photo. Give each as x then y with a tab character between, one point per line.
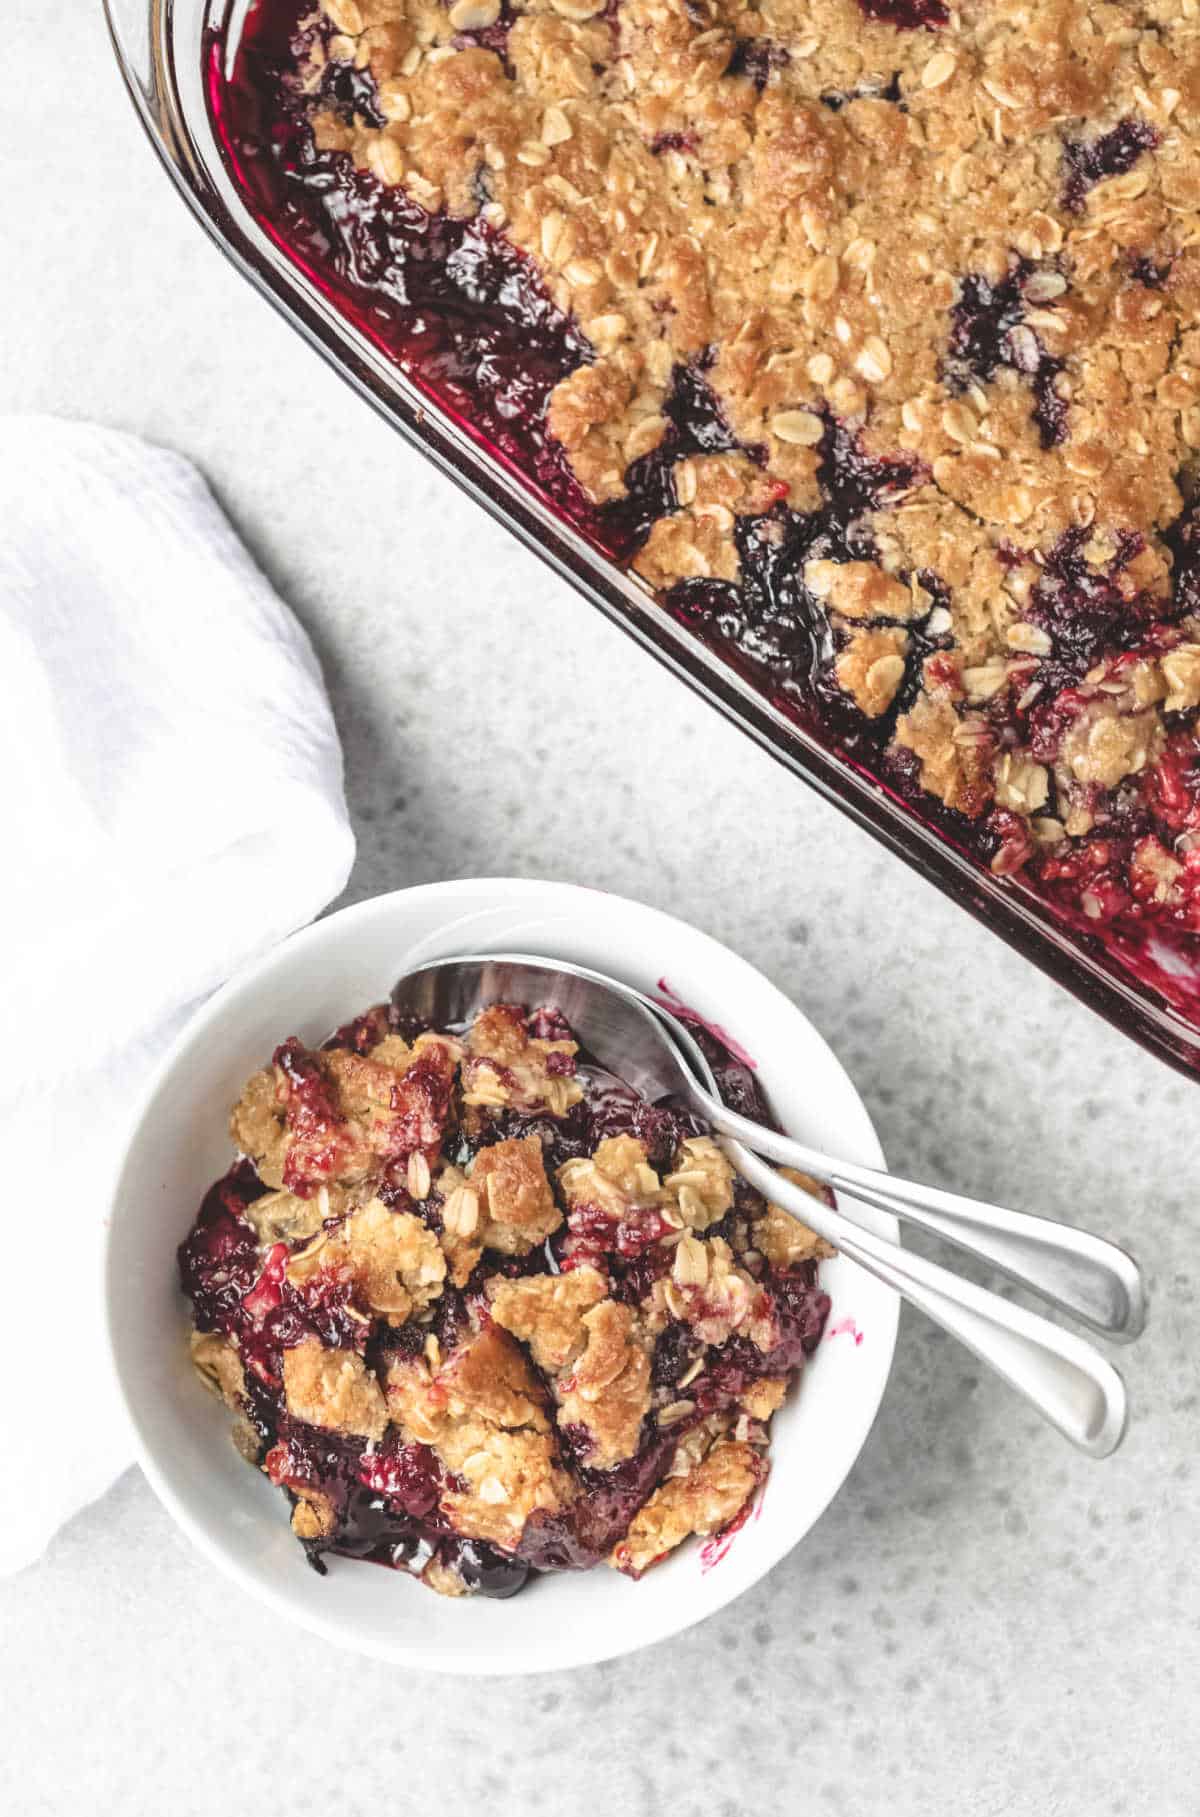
1094	1281
1061	1375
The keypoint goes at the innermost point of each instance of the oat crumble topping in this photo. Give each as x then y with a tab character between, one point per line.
482	1311
866	330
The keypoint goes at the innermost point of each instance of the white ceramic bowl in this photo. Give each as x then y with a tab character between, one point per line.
179	1145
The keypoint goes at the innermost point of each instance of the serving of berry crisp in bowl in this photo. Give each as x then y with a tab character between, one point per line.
843	351
450	1345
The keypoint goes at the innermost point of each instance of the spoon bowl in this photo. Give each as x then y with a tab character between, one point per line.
612	1022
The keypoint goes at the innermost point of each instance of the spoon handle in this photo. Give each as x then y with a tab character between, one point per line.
1093	1280
1068	1382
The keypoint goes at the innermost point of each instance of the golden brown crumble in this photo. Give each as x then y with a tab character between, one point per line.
505	1066
707	1290
703	1501
764	1397
546	1312
592	1349
617	1179
393	1259
783	1239
257	1127
219	1366
442	1578
1105	745
700	1184
490	1376
608	1390
508	1475
871	668
284	1217
313	1516
460	1217
482	1412
334	1389
859	589
367	1114
505	1204
514	1197
954	752
1180	671
698	1440
809	234
695	542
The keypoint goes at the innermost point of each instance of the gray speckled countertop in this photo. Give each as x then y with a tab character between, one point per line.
983	1622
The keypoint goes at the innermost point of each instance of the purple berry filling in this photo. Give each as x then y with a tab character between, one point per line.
768	622
755	58
1087	162
908	15
988	332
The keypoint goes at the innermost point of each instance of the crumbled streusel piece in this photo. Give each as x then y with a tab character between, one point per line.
592	1348
490	1376
708	1291
219	1366
1105	746
764	1397
546	1311
461	1221
607	1390
334	1389
616	1179
1022	784
443	1579
955	756
487	1377
687	546
700	1183
1181	676
590	414
313	1516
258	1128
285	1217
704	1501
509	1475
505	1065
324	1120
393	1259
860	590
871	669
482	1412
783	1239
515	1201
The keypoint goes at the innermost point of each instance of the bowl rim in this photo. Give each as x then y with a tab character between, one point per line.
481	1662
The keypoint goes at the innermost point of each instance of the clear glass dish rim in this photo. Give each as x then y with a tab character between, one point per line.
158	45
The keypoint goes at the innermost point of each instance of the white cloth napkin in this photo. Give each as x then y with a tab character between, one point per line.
170	806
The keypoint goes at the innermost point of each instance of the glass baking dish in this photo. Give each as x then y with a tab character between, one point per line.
1148	988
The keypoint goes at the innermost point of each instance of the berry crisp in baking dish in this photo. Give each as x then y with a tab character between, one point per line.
864	332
